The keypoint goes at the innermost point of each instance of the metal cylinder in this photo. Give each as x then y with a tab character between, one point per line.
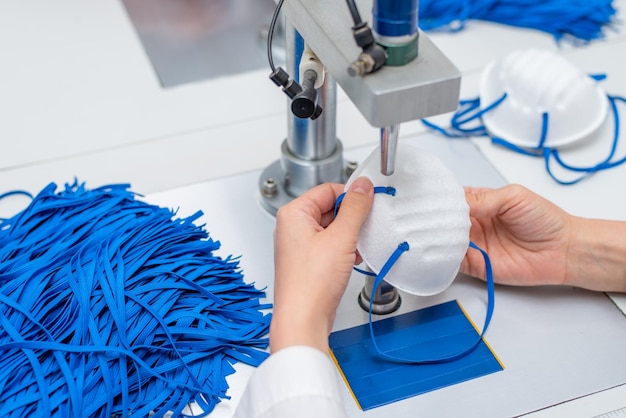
310	139
311	154
302	174
388	147
395	24
384	301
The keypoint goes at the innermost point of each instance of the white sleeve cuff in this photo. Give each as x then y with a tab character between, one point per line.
296	381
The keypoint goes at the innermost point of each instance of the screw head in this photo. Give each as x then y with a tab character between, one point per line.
270	188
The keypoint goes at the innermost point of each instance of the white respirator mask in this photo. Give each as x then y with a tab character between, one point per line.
537	82
428	212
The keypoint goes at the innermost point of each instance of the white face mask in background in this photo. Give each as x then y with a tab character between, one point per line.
428	211
539	104
537	82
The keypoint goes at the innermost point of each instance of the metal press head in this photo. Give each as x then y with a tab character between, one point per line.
425	86
388	146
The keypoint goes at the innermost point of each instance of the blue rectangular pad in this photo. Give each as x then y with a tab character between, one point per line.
428	333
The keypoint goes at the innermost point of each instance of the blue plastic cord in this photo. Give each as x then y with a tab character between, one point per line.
14	193
578	21
393	258
445	357
391	191
111	307
469	112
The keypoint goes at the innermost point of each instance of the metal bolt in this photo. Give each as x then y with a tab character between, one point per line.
363	65
270	188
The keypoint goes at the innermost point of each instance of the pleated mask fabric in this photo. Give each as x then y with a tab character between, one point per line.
428	212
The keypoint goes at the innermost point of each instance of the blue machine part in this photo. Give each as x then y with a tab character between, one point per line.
395	18
427	333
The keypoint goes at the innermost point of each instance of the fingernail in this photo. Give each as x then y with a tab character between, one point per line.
361	185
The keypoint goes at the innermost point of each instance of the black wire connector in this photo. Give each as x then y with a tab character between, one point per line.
373	56
303	98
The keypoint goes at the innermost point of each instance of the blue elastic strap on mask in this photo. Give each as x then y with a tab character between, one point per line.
448	356
470	113
393	258
110	307
391	191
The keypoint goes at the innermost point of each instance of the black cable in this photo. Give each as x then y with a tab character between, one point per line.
354	11
303	101
270	34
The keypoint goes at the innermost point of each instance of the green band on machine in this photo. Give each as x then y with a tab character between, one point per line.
400	54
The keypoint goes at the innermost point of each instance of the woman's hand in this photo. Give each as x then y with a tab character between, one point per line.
531	241
313	256
527	237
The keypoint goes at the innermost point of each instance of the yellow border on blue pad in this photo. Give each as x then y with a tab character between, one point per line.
345	379
478	331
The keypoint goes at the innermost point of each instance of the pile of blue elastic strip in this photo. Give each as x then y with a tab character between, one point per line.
577	20
112	307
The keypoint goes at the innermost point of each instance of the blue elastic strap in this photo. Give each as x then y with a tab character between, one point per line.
393	258
446	357
391	191
110	306
469	112
14	193
579	21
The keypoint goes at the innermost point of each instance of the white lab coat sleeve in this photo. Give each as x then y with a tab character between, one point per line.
296	381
